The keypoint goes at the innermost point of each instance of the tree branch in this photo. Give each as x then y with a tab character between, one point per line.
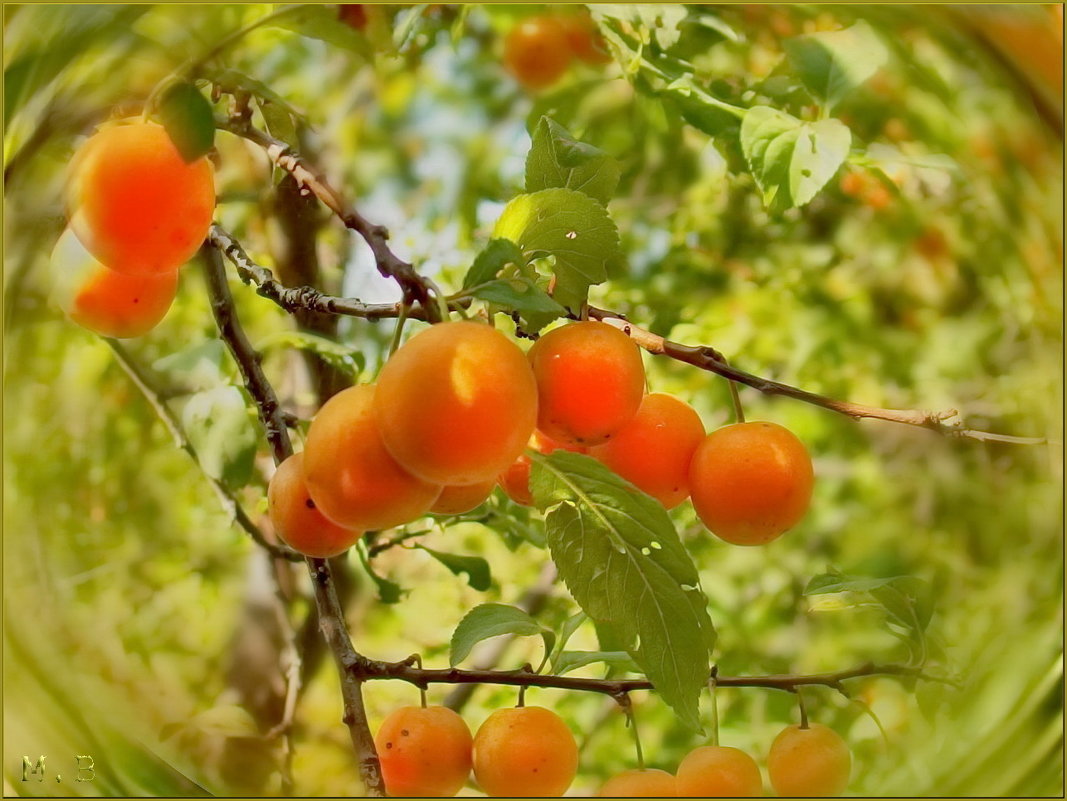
415	287
227	500
707	358
331	615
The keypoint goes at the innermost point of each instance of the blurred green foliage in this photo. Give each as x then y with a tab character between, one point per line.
129	597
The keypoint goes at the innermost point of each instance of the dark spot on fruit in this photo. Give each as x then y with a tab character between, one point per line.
388	746
309	503
404	732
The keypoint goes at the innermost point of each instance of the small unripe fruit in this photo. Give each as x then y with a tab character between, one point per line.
525	752
456	403
653	451
135	204
718	771
424	752
751	482
106	302
537	51
809	762
515	481
590	382
455	500
350	474
297	520
646	783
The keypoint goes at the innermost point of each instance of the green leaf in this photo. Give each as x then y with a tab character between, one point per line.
651	21
188	119
557	159
497	255
279	121
195	368
219	426
569	226
518	294
341	357
389	592
321	22
838	582
476	568
623	562
572	660
491	620
832	63
790	159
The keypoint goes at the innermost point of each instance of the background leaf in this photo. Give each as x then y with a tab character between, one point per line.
219	425
476	568
557	159
189	120
833	63
492	620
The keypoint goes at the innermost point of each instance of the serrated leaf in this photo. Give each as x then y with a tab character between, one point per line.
838	582
188	119
623	562
497	255
476	568
518	294
341	357
492	620
219	426
572	660
569	226
195	368
833	63
791	160
557	159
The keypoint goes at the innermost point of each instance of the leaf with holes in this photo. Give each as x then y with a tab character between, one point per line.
569	226
623	562
492	620
790	159
557	159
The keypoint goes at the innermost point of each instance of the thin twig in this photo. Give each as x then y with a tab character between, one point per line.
331	615
227	499
707	358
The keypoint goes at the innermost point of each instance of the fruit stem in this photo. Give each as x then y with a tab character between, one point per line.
402	317
713	683
631	722
735	396
803	709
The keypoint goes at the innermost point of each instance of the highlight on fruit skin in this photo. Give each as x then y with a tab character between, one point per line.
590	382
134	203
537	51
718	771
515	481
424	752
106	302
297	520
812	761
654	449
640	783
352	478
456	403
525	752
751	482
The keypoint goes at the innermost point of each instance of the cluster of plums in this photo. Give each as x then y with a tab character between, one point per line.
530	752
137	211
457	405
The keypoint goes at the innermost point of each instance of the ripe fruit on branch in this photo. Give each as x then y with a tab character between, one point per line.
750	482
424	752
590	382
537	51
718	771
456	403
640	783
455	500
654	449
515	481
297	520
584	39
135	204
525	752
353	15
809	762
349	473
106	302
